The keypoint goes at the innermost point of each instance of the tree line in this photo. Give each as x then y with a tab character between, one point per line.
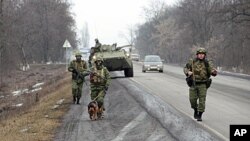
220	26
34	31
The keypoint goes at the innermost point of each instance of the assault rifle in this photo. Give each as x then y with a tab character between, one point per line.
79	75
96	74
191	79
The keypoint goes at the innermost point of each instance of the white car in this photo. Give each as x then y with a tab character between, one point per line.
152	63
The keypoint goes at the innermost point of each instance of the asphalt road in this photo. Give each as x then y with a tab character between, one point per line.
154	106
125	119
227	102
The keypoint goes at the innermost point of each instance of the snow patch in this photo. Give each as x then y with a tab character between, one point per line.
20	92
18	105
38	85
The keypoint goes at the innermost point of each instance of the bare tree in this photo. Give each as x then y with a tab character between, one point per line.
129	35
33	31
155	10
222	27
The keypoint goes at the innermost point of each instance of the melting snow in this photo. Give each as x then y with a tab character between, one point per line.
18	105
38	85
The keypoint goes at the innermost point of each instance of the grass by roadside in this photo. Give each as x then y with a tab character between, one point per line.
40	122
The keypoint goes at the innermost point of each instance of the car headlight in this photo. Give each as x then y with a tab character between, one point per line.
127	54
159	65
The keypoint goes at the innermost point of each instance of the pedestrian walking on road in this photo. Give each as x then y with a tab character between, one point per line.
198	72
78	67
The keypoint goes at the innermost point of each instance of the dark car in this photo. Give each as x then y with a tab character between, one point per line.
152	63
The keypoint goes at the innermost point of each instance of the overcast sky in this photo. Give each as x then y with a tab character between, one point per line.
108	19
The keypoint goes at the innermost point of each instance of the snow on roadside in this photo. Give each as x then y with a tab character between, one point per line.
20	92
18	105
36	87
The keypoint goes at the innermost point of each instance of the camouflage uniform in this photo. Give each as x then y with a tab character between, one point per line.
99	83
97	45
78	69
202	70
93	50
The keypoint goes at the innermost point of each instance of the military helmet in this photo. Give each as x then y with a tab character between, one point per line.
96	40
78	54
201	51
98	59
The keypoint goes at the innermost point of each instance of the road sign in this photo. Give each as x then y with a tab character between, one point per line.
66	44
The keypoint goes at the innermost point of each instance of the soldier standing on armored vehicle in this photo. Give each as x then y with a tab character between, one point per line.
97	45
93	50
198	72
99	83
78	68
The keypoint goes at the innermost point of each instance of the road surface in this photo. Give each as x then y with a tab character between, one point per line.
154	106
227	102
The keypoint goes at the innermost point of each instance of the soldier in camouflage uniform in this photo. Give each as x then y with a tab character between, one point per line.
78	68
200	70
97	45
99	83
93	50
92	53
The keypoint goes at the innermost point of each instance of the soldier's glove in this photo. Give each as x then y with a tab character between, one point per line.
74	71
214	72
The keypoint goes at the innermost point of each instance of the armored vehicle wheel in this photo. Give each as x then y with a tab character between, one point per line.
129	72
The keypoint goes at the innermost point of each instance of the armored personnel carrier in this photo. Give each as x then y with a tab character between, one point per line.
116	58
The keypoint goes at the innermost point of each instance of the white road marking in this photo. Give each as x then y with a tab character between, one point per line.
130	126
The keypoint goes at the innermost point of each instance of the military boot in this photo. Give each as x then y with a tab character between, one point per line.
74	99
78	100
195	113
199	118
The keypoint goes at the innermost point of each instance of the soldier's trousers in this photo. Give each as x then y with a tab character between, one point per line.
197	97
77	89
98	94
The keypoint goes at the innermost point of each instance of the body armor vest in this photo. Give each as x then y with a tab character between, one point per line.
97	77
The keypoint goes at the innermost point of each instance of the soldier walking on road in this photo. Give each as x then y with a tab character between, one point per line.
198	72
99	83
78	68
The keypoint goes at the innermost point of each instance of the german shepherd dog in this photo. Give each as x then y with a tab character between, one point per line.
93	110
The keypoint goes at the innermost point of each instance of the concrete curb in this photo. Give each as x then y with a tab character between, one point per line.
180	126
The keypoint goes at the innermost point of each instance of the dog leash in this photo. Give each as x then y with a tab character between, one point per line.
97	96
